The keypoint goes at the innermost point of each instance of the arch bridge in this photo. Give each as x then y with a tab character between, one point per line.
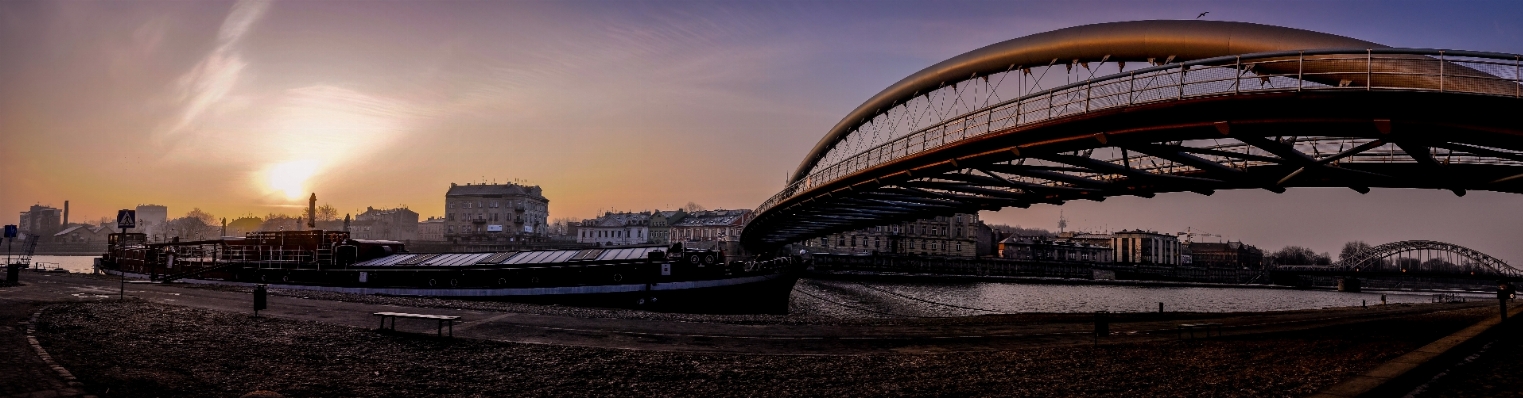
1148	107
1425	257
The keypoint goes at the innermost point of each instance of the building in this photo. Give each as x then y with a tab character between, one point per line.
431	230
1070	248
616	229
710	226
41	220
661	223
1226	255
954	236
1145	247
82	234
243	226
399	224
495	213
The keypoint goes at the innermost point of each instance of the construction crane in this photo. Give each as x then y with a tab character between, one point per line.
1190	235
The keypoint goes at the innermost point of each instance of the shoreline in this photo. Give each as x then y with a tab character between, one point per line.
1034	280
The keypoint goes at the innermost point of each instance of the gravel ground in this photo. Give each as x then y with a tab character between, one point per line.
143	349
1493	372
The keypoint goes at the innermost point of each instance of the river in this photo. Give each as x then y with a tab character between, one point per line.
940	299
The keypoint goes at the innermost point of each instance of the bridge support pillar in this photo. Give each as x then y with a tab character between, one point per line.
1349	284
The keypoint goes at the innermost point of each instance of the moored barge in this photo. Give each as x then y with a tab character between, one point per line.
658	277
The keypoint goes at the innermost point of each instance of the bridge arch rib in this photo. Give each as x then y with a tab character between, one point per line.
1341	117
1428	255
1133	41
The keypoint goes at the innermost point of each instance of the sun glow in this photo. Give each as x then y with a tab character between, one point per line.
290	178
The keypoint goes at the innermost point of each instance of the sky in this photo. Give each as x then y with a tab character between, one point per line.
246	107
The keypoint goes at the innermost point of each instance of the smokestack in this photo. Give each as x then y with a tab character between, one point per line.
312	211
65	213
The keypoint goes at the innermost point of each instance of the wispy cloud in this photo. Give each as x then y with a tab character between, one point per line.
215	76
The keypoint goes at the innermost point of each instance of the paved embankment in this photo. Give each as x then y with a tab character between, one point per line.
201	341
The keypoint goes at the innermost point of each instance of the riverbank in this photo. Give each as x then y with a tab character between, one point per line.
180	340
885	276
138	348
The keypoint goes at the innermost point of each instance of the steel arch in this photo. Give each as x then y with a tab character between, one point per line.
1391	118
1375	258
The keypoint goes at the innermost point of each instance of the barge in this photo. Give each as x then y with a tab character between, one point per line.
654	277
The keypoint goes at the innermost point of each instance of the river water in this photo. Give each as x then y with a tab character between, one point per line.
938	299
900	299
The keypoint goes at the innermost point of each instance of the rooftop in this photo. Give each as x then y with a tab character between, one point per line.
711	218
495	189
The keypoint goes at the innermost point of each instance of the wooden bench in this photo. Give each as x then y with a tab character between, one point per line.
1192	326
442	319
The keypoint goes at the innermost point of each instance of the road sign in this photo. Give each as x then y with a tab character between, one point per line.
126	218
10	231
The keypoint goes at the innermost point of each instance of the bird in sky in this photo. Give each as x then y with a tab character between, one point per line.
1202	14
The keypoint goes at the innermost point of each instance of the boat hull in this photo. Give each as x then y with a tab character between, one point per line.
747	293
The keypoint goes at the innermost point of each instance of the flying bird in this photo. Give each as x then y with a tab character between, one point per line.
1202	14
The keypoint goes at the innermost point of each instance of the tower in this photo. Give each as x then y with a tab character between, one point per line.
312	211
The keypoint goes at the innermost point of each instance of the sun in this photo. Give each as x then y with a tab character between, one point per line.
290	178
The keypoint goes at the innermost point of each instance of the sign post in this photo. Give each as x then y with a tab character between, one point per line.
125	218
10	239
12	271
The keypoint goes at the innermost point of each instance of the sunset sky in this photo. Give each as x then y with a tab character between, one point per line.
247	107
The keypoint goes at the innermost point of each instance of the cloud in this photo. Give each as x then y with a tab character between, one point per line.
215	76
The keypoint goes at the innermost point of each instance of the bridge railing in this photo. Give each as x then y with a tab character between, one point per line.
1463	72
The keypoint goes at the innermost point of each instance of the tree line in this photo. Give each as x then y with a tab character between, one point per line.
1298	255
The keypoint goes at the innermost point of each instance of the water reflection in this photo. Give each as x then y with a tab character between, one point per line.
889	299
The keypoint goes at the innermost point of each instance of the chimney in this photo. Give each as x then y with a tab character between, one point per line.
312	212
65	213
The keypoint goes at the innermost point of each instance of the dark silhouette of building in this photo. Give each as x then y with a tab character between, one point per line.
41	220
399	224
1226	255
1067	247
954	236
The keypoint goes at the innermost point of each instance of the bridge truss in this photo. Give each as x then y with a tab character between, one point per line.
1426	256
1355	118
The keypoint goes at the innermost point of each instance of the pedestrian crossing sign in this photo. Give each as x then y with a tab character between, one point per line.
126	218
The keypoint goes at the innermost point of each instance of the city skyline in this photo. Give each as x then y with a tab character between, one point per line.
246	107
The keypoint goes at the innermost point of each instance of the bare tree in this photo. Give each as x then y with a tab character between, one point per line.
195	225
560	225
327	212
280	222
1297	255
692	207
1352	249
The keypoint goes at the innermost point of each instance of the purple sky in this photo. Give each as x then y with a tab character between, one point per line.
238	107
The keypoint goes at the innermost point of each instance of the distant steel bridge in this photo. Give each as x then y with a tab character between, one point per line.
1205	106
1415	258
